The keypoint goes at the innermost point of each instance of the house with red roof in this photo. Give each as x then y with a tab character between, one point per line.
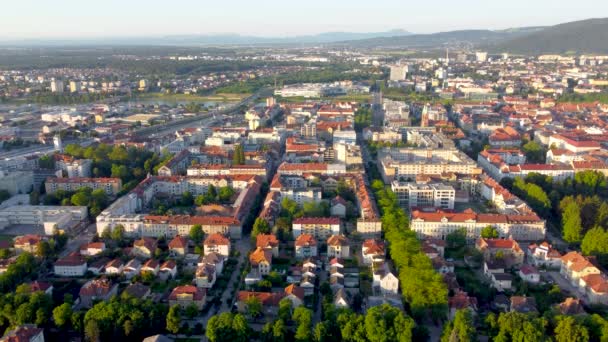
24	333
261	260
178	246
187	295
145	247
507	249
27	243
268	242
73	265
338	246
217	243
97	289
306	246
92	248
529	274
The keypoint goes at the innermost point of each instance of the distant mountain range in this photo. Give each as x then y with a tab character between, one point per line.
586	36
212	39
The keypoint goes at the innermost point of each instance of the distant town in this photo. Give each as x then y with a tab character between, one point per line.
304	194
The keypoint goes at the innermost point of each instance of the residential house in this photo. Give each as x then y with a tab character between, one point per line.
261	260
72	265
178	246
145	247
595	287
506	249
217	243
151	266
27	243
495	271
545	255
342	299
97	289
132	268
41	286
575	266
187	295
385	282
168	270
205	276
114	267
213	259
295	294
24	333
270	301
460	301
338	246
529	274
97	267
338	207
92	248
268	242
373	252
138	290
523	304
571	306
306	246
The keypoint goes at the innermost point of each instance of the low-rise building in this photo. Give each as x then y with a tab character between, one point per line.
319	227
187	295
72	265
338	246
306	246
111	186
261	260
217	243
97	289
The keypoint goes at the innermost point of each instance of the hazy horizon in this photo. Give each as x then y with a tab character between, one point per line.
70	19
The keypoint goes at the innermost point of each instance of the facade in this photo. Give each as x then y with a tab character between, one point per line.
51	217
185	296
217	243
338	246
319	227
261	260
509	249
438	224
306	246
424	195
111	186
72	265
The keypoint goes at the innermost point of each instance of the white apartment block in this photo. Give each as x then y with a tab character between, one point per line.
424	195
63	217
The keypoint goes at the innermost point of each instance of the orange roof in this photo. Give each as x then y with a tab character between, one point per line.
306	240
259	256
217	239
266	241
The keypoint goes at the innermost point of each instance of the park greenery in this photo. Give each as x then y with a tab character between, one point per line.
95	200
130	164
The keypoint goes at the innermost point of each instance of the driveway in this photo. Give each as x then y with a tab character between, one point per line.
562	282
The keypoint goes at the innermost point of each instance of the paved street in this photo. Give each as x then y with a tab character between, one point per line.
243	246
79	239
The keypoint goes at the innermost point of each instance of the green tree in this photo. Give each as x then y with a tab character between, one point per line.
456	239
285	308
260	226
191	311
571	227
303	318
254	307
534	152
196	234
225	193
489	232
187	199
80	199
173	319
62	314
595	243
92	332
385	323
461	329
238	157
569	330
118	232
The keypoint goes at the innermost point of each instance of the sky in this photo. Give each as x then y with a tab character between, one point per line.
40	19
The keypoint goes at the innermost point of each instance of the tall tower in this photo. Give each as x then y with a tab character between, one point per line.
447	56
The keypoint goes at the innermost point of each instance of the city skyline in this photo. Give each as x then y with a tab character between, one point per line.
69	19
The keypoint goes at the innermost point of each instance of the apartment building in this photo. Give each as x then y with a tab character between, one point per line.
412	195
111	186
438	224
319	227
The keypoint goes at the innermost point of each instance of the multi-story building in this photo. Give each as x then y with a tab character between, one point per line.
184	296
404	163
17	182
319	227
111	186
73	167
424	195
50	217
438	224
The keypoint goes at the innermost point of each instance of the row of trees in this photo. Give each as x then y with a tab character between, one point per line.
422	287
